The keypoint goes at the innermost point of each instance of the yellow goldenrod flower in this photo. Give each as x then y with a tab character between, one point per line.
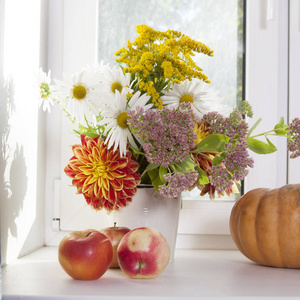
158	58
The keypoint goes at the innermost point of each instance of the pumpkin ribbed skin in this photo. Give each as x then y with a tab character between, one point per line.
265	226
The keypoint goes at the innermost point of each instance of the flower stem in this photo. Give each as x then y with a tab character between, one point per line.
266	133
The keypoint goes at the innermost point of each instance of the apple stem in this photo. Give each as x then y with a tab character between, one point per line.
88	234
140	267
115	225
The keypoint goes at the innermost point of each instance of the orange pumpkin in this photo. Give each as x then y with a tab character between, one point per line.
265	226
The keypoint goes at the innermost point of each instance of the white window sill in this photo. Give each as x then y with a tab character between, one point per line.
195	274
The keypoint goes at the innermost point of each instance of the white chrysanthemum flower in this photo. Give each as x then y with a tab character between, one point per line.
115	118
113	80
78	95
43	81
202	96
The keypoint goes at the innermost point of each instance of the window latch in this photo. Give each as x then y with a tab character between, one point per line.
56	206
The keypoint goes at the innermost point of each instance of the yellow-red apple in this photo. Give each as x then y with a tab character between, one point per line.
143	253
115	234
86	254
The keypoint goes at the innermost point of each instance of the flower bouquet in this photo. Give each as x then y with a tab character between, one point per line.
154	118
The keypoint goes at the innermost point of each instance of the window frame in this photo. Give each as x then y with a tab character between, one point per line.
294	73
209	226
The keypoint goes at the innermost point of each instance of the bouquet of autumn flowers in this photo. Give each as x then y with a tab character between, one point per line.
154	119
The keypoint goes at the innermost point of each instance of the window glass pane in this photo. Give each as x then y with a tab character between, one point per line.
216	23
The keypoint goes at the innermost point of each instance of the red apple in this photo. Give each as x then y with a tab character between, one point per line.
85	255
143	253
115	234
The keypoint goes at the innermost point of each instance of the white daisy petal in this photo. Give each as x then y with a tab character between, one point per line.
121	100
132	142
203	98
136	101
115	136
110	138
123	144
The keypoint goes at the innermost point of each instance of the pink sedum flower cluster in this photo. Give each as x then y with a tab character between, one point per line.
167	133
233	126
219	179
177	183
236	158
294	138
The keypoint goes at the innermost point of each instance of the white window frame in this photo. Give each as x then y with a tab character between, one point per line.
294	75
203	224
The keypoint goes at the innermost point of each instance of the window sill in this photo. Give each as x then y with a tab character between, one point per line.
195	274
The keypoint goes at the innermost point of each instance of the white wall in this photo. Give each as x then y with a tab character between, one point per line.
23	48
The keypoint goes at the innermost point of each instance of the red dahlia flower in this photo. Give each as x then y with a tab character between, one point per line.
104	178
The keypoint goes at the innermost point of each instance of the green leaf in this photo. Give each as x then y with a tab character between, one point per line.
186	165
260	147
254	126
270	143
162	171
155	179
91	135
137	151
217	159
211	143
151	166
281	126
281	121
221	146
202	177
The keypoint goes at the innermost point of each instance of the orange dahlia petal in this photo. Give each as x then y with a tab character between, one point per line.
109	207
83	139
130	192
68	170
129	182
77	152
91	180
75	146
103	183
105	194
110	176
112	155
113	165
78	186
96	190
112	195
86	170
87	188
116	184
124	202
95	152
123	162
119	174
